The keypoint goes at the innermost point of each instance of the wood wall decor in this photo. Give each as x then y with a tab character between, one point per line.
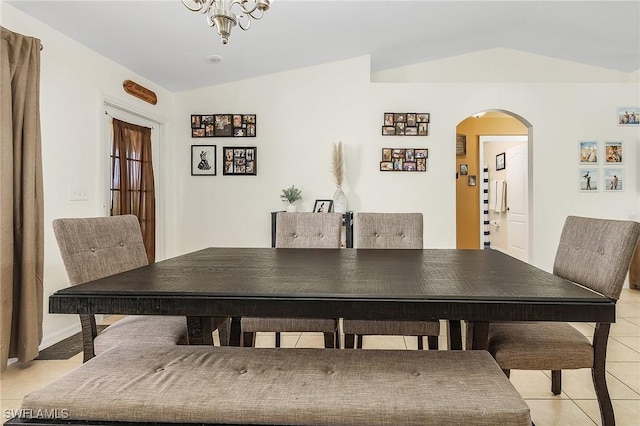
223	125
140	92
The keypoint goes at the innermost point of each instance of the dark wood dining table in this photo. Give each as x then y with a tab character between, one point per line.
479	286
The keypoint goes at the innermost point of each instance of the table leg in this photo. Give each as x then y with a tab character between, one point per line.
200	330
480	339
455	335
600	337
234	334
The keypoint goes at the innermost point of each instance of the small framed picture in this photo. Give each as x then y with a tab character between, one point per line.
422	117
423	129
613	179
323	206
411	119
203	160
388	119
386	154
421	164
613	152
386	166
588	152
588	178
471	180
388	130
461	144
411	131
400	128
500	162
421	153
223	125
464	169
399	118
629	116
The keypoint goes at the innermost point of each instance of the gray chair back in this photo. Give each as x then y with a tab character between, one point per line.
98	247
596	253
308	230
389	230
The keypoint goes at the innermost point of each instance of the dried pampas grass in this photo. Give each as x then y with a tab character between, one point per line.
337	164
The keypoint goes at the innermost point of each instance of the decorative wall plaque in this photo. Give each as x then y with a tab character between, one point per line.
141	92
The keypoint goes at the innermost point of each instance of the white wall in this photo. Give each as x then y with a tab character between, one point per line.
300	114
74	83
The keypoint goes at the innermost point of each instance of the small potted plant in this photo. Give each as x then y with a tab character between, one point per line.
291	195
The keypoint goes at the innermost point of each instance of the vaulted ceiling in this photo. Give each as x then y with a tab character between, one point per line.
166	43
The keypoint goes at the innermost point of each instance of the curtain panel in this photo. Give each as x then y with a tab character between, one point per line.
132	184
21	199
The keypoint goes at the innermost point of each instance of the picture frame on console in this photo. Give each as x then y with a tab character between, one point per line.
323	206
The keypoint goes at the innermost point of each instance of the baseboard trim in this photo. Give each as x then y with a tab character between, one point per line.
58	336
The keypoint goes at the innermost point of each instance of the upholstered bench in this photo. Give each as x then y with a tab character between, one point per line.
231	385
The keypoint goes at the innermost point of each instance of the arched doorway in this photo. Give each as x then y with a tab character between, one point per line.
473	213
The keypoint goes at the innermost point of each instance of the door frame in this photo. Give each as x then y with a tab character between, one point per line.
506	138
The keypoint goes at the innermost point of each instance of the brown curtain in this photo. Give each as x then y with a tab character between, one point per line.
21	199
132	190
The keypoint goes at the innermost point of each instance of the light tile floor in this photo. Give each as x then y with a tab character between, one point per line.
576	405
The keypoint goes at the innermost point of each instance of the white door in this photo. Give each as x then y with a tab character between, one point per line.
517	203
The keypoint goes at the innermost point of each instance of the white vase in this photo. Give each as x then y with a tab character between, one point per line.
291	208
339	200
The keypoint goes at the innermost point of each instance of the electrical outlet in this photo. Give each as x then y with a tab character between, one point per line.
78	194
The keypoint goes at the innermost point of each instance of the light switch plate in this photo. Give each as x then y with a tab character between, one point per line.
78	193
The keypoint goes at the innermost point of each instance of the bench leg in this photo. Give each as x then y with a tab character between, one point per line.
277	339
360	339
420	343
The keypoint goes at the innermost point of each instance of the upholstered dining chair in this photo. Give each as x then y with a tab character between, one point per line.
98	247
300	230
596	254
390	231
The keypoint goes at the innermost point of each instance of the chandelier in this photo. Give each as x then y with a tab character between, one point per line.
219	13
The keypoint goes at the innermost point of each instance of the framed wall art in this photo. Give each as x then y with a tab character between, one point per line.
629	116
500	161
405	124
613	152
404	160
461	144
471	180
323	206
588	179
613	179
203	160
239	160
588	152
223	125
